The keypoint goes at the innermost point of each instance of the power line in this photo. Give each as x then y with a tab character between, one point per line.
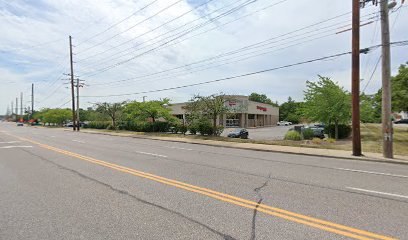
401	43
117	23
176	36
249	47
151	30
130	28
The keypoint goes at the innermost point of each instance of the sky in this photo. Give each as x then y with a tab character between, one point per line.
126	49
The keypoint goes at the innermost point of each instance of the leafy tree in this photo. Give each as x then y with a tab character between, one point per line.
57	116
368	109
91	114
262	98
399	86
326	101
290	111
209	107
150	109
112	110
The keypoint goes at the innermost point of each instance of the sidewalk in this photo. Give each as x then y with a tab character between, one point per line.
263	147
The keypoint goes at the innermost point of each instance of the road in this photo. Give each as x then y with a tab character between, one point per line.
57	184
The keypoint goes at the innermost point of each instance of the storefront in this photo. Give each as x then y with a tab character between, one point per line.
243	113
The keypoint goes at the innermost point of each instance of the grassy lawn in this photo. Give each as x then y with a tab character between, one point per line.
370	134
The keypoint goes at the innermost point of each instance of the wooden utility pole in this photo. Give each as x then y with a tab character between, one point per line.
386	82
77	116
32	100
72	84
21	105
16	108
355	79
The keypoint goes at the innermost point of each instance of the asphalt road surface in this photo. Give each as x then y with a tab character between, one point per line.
58	184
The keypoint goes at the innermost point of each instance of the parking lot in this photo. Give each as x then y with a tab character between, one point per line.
266	133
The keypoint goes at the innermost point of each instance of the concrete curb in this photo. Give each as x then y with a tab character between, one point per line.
222	144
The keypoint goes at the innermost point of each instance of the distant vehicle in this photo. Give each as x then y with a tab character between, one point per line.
317	131
401	121
284	123
239	133
20	124
320	125
69	124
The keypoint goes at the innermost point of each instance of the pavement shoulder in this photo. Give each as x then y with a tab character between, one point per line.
331	153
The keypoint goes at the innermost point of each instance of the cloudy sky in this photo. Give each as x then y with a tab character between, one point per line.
123	47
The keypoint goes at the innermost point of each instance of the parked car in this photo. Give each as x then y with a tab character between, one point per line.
319	125
239	133
20	124
401	121
284	123
317	131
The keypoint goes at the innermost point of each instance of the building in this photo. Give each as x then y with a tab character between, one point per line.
243	113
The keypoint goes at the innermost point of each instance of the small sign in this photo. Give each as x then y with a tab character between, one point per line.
262	108
21	120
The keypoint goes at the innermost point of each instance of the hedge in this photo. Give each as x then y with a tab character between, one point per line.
344	130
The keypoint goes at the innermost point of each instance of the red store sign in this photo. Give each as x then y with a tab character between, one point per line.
262	108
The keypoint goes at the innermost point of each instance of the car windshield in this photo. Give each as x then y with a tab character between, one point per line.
238	130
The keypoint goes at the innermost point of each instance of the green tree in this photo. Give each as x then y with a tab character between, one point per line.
399	86
369	110
262	98
151	109
290	111
57	116
327	102
208	107
112	110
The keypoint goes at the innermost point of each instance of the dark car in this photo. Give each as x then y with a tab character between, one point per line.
318	132
401	121
239	133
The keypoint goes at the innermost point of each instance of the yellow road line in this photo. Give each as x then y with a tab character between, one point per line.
291	216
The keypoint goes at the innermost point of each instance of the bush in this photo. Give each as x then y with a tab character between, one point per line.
292	135
218	130
183	129
316	140
344	130
98	125
331	140
193	128
308	134
205	128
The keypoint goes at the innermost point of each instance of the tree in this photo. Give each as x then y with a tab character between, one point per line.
327	102
399	86
209	107
112	110
56	116
262	98
150	109
369	113
290	111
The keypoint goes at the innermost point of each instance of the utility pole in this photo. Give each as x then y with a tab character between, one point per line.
72	84
32	100
16	108
144	98
12	108
77	88
355	79
386	82
21	105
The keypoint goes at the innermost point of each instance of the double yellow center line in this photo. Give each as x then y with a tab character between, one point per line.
277	212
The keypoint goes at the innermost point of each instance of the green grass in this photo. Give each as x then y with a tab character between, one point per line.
371	137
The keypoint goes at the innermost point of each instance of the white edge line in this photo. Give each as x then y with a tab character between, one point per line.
187	149
8	147
152	154
10	142
376	173
377	192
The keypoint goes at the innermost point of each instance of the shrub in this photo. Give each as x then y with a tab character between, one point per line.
205	128
193	128
292	135
218	130
183	129
98	125
111	127
331	140
316	140
308	134
344	130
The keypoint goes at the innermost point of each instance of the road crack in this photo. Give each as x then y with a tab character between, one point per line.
257	190
126	193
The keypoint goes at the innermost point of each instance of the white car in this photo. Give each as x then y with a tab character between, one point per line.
284	123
